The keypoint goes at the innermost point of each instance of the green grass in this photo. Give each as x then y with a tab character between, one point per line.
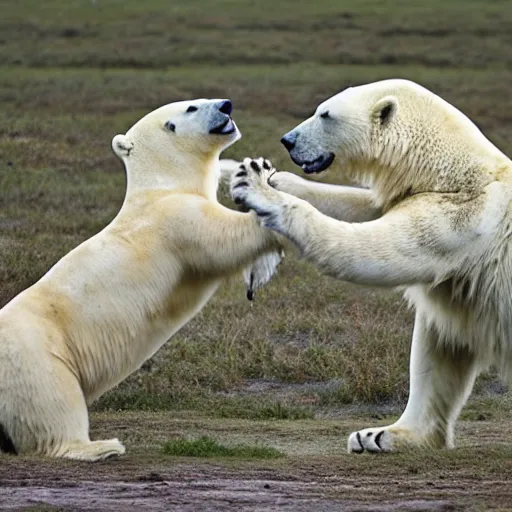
74	74
207	447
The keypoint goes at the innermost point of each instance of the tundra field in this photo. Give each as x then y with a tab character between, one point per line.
245	409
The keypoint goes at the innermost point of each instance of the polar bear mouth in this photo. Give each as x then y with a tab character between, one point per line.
225	128
317	165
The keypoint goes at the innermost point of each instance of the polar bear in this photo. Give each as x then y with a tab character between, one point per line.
111	303
436	220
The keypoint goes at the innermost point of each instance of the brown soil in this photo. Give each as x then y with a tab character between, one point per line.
475	476
192	487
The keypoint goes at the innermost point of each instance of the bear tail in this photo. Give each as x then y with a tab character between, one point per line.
6	444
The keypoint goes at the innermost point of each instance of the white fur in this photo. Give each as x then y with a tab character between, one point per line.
112	302
436	221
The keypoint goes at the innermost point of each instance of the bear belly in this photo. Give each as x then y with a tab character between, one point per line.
459	318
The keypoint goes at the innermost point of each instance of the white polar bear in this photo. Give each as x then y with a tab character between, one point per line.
436	220
112	302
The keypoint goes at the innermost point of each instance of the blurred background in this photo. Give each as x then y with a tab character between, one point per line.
74	73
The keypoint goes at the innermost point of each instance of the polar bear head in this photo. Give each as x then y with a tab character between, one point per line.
178	145
393	135
200	127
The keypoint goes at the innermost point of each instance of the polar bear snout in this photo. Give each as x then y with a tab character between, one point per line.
319	164
221	123
289	140
304	154
300	145
226	107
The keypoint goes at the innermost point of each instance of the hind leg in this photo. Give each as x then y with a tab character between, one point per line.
441	381
45	412
75	442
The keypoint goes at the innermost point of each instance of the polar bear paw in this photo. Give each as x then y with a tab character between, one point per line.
93	451
287	182
250	187
380	439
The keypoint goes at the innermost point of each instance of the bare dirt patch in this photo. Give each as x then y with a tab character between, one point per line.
316	474
211	494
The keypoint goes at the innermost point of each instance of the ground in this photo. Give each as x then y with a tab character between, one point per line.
314	358
315	473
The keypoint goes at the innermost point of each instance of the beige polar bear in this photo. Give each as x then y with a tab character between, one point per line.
112	302
436	220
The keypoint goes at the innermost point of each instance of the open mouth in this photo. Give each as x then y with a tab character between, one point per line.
224	128
314	166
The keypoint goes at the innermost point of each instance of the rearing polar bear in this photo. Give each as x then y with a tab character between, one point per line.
437	220
112	302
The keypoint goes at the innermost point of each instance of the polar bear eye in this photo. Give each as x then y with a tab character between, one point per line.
191	109
170	126
325	115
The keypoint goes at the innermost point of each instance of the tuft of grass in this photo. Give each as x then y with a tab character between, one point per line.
208	447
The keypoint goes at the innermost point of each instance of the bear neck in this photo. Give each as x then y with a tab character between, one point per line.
392	184
400	172
197	174
448	154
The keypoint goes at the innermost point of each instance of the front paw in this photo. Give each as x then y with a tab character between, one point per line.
249	187
383	439
286	182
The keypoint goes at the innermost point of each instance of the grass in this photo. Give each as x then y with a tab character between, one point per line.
74	74
207	447
216	406
258	409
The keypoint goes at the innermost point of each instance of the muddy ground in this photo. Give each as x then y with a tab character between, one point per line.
314	475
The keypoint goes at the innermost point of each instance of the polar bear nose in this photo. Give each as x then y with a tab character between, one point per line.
226	107
289	140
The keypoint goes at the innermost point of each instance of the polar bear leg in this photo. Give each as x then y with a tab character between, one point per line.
350	204
441	379
46	413
66	424
75	443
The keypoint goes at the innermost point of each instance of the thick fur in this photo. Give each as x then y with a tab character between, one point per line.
112	302
436	221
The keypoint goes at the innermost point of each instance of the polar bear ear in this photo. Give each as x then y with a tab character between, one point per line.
122	146
385	109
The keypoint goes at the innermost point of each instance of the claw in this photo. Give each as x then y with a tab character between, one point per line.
360	444
377	439
255	166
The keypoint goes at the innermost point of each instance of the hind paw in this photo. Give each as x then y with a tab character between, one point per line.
94	451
